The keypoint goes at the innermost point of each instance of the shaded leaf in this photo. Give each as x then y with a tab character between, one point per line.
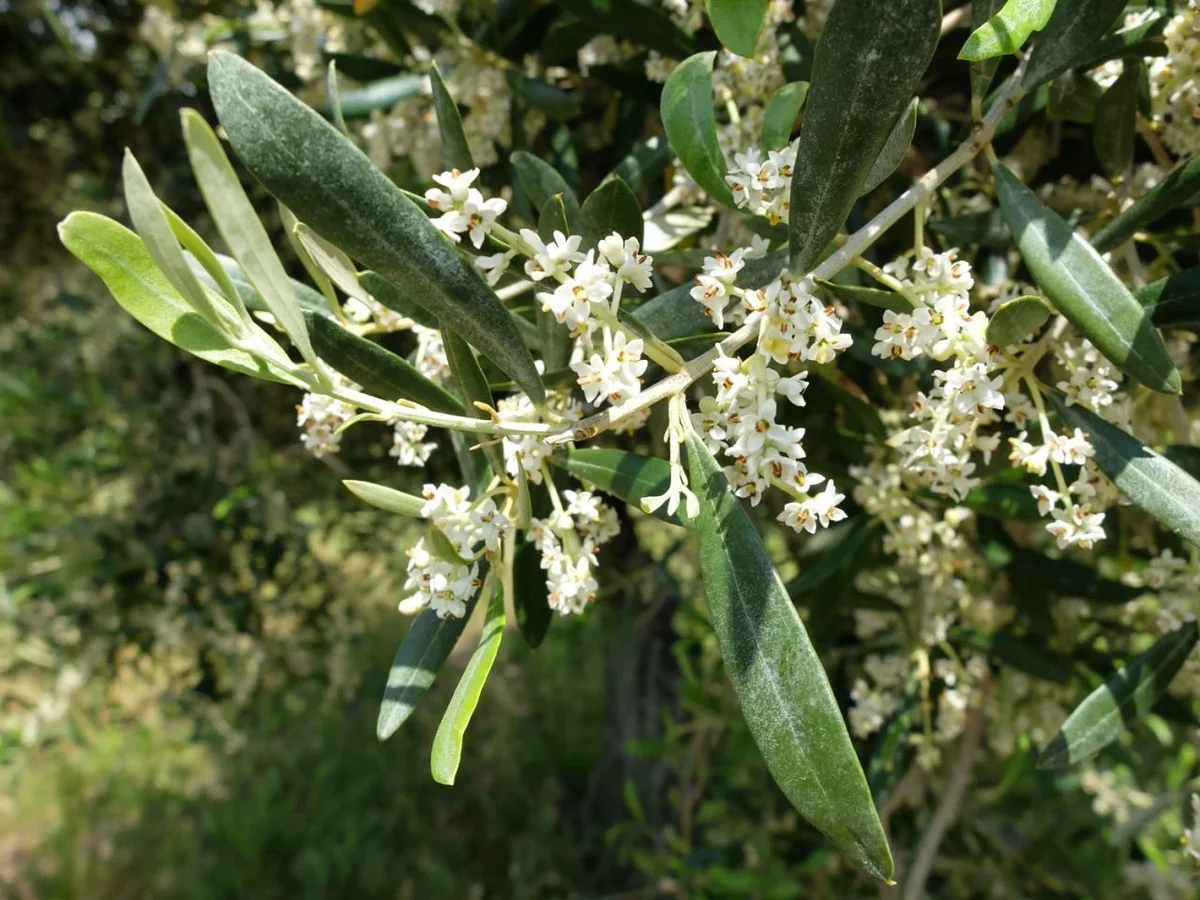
1073	97
738	23
333	100
867	295
1006	31
550	99
649	26
644	163
1123	699
780	115
627	476
833	560
610	207
473	387
1083	288
530	600
985	228
1174	300
309	299
382	94
555	337
456	151
868	63
1180	188
691	125
1069	37
783	690
542	181
1066	577
1140	40
1116	119
894	148
395	300
1021	653
1017	319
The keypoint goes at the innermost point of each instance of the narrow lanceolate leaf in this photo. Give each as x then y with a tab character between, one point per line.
1065	577
627	476
386	498
738	23
331	186
1150	481
610	207
447	743
472	387
555	337
334	101
542	181
240	228
832	561
784	692
1074	97
456	152
1069	37
780	113
222	273
1006	31
128	270
691	125
868	295
1118	703
983	72
894	148
328	259
422	652
1180	188
1174	300
1083	288
396	300
378	370
865	73
644	163
1115	121
1016	320
1025	654
531	602
382	94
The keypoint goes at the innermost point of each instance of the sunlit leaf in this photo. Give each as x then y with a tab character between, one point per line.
738	23
1006	31
1017	319
779	115
386	498
691	125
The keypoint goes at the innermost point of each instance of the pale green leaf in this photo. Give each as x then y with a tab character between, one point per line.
627	476
1006	31
738	23
386	498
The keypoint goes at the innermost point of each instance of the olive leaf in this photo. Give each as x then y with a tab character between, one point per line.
1115	120
356	207
555	337
1123	699
542	181
738	23
333	100
381	94
473	387
627	476
1083	288
1069	37
644	162
1174	300
1017	319
691	125
1151	482
130	273
868	63
1006	31
531	603
456	151
784	693
780	113
1073	97
447	743
612	207
1180	188
894	148
395	300
386	498
867	295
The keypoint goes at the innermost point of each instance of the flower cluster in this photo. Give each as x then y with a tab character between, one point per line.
462	207
568	540
763	184
1175	82
322	416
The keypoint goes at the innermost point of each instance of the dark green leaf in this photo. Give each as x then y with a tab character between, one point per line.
1180	188
1066	577
553	101
382	94
121	260
456	152
1083	288
1069	37
393	298
982	73
1021	653
649	26
780	114
555	337
894	148
386	498
1073	97
530	599
447	743
1017	319
691	125
738	23
644	163
542	181
610	207
422	652
473	386
1138	41
1123	699
833	560
379	371
1006	31
1174	300
331	186
985	228
868	296
627	476
868	63
1150	481
1004	501
784	693
1116	120
361	67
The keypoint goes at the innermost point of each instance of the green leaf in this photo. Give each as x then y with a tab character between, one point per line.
530	600
1174	300
1180	188
738	23
232	274
894	148
362	68
691	125
866	70
780	115
378	370
456	151
395	300
331	186
868	296
1069	37
447	743
128	270
550	99
610	207
985	228
555	337
387	498
542	181
1006	31
982	73
334	101
1017	319
627	476
644	162
784	693
1121	701
1083	288
1074	97
382	94
1116	121
328	259
833	560
649	26
472	386
1143	39
1150	481
1066	577
240	228
421	654
1021	653
1004	501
